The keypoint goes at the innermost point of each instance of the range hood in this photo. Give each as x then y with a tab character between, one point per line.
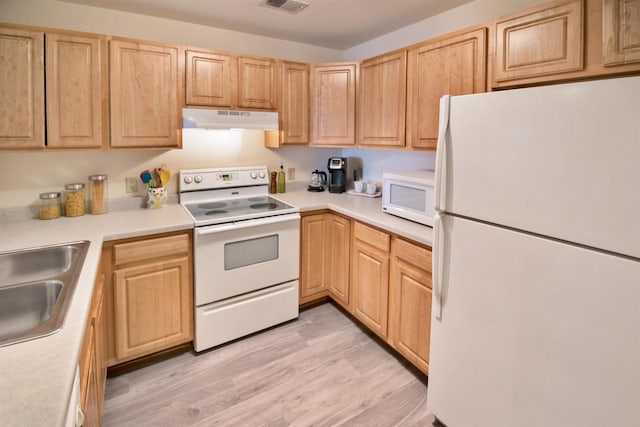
202	118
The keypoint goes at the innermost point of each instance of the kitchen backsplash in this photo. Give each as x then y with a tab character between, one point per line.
23	176
376	162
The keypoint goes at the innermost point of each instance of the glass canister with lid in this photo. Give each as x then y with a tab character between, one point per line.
74	199
49	205
97	194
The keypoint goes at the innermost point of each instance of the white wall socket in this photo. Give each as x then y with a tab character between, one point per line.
131	185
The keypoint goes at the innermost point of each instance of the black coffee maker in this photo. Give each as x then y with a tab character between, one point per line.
337	167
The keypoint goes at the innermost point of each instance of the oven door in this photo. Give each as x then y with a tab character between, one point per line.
236	258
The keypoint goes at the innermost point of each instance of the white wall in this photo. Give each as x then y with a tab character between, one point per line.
69	16
376	162
23	176
474	13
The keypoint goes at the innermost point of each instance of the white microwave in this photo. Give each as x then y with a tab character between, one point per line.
409	195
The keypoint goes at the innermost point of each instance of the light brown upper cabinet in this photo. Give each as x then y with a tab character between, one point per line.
333	104
257	83
146	94
76	90
294	109
543	41
451	65
211	79
621	31
382	98
21	88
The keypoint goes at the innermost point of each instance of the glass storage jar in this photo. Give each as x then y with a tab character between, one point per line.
49	205
74	199
97	194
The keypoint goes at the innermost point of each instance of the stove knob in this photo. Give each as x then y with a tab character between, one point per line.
188	180
197	179
254	175
262	174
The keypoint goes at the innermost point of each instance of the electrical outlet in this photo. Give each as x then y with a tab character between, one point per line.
291	173
131	185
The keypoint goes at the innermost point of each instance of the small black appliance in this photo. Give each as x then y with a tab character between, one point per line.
337	167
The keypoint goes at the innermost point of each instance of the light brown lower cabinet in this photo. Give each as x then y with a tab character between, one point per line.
339	236
410	288
370	277
381	279
149	295
93	368
324	257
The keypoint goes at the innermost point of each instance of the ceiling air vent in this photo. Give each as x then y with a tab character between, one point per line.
289	6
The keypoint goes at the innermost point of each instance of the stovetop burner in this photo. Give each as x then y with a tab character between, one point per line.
225	195
236	209
267	206
215	212
212	205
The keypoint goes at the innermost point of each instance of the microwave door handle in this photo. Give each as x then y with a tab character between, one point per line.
441	155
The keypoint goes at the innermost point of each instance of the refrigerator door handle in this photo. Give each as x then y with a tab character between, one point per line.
438	264
441	155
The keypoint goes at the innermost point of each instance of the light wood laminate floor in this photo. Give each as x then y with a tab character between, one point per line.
321	370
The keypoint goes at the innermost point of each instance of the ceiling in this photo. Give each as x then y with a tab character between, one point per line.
336	24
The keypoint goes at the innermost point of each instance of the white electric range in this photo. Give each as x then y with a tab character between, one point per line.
246	253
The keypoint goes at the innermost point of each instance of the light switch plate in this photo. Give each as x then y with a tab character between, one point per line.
291	174
131	185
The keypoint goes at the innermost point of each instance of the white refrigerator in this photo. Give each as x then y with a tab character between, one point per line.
536	267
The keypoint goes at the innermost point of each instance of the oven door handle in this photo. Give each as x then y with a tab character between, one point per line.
211	229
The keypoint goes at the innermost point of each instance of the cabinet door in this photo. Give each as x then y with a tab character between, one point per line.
89	395
211	78
333	104
100	330
339	241
21	88
145	100
410	302
370	277
382	102
295	103
257	83
153	307
455	65
543	41
313	268
621	32
76	81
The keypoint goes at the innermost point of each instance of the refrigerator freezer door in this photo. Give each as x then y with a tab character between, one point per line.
533	332
562	161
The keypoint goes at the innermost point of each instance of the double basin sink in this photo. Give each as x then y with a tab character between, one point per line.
36	287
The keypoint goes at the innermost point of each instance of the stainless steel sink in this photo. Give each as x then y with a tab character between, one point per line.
35	264
36	287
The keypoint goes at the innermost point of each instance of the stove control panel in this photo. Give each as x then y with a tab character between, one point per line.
211	179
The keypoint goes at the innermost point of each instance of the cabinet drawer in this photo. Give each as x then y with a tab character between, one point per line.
371	236
125	253
414	254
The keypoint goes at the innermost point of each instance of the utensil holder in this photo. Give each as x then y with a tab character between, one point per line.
156	197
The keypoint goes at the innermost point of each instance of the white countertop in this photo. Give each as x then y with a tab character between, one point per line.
365	209
36	377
